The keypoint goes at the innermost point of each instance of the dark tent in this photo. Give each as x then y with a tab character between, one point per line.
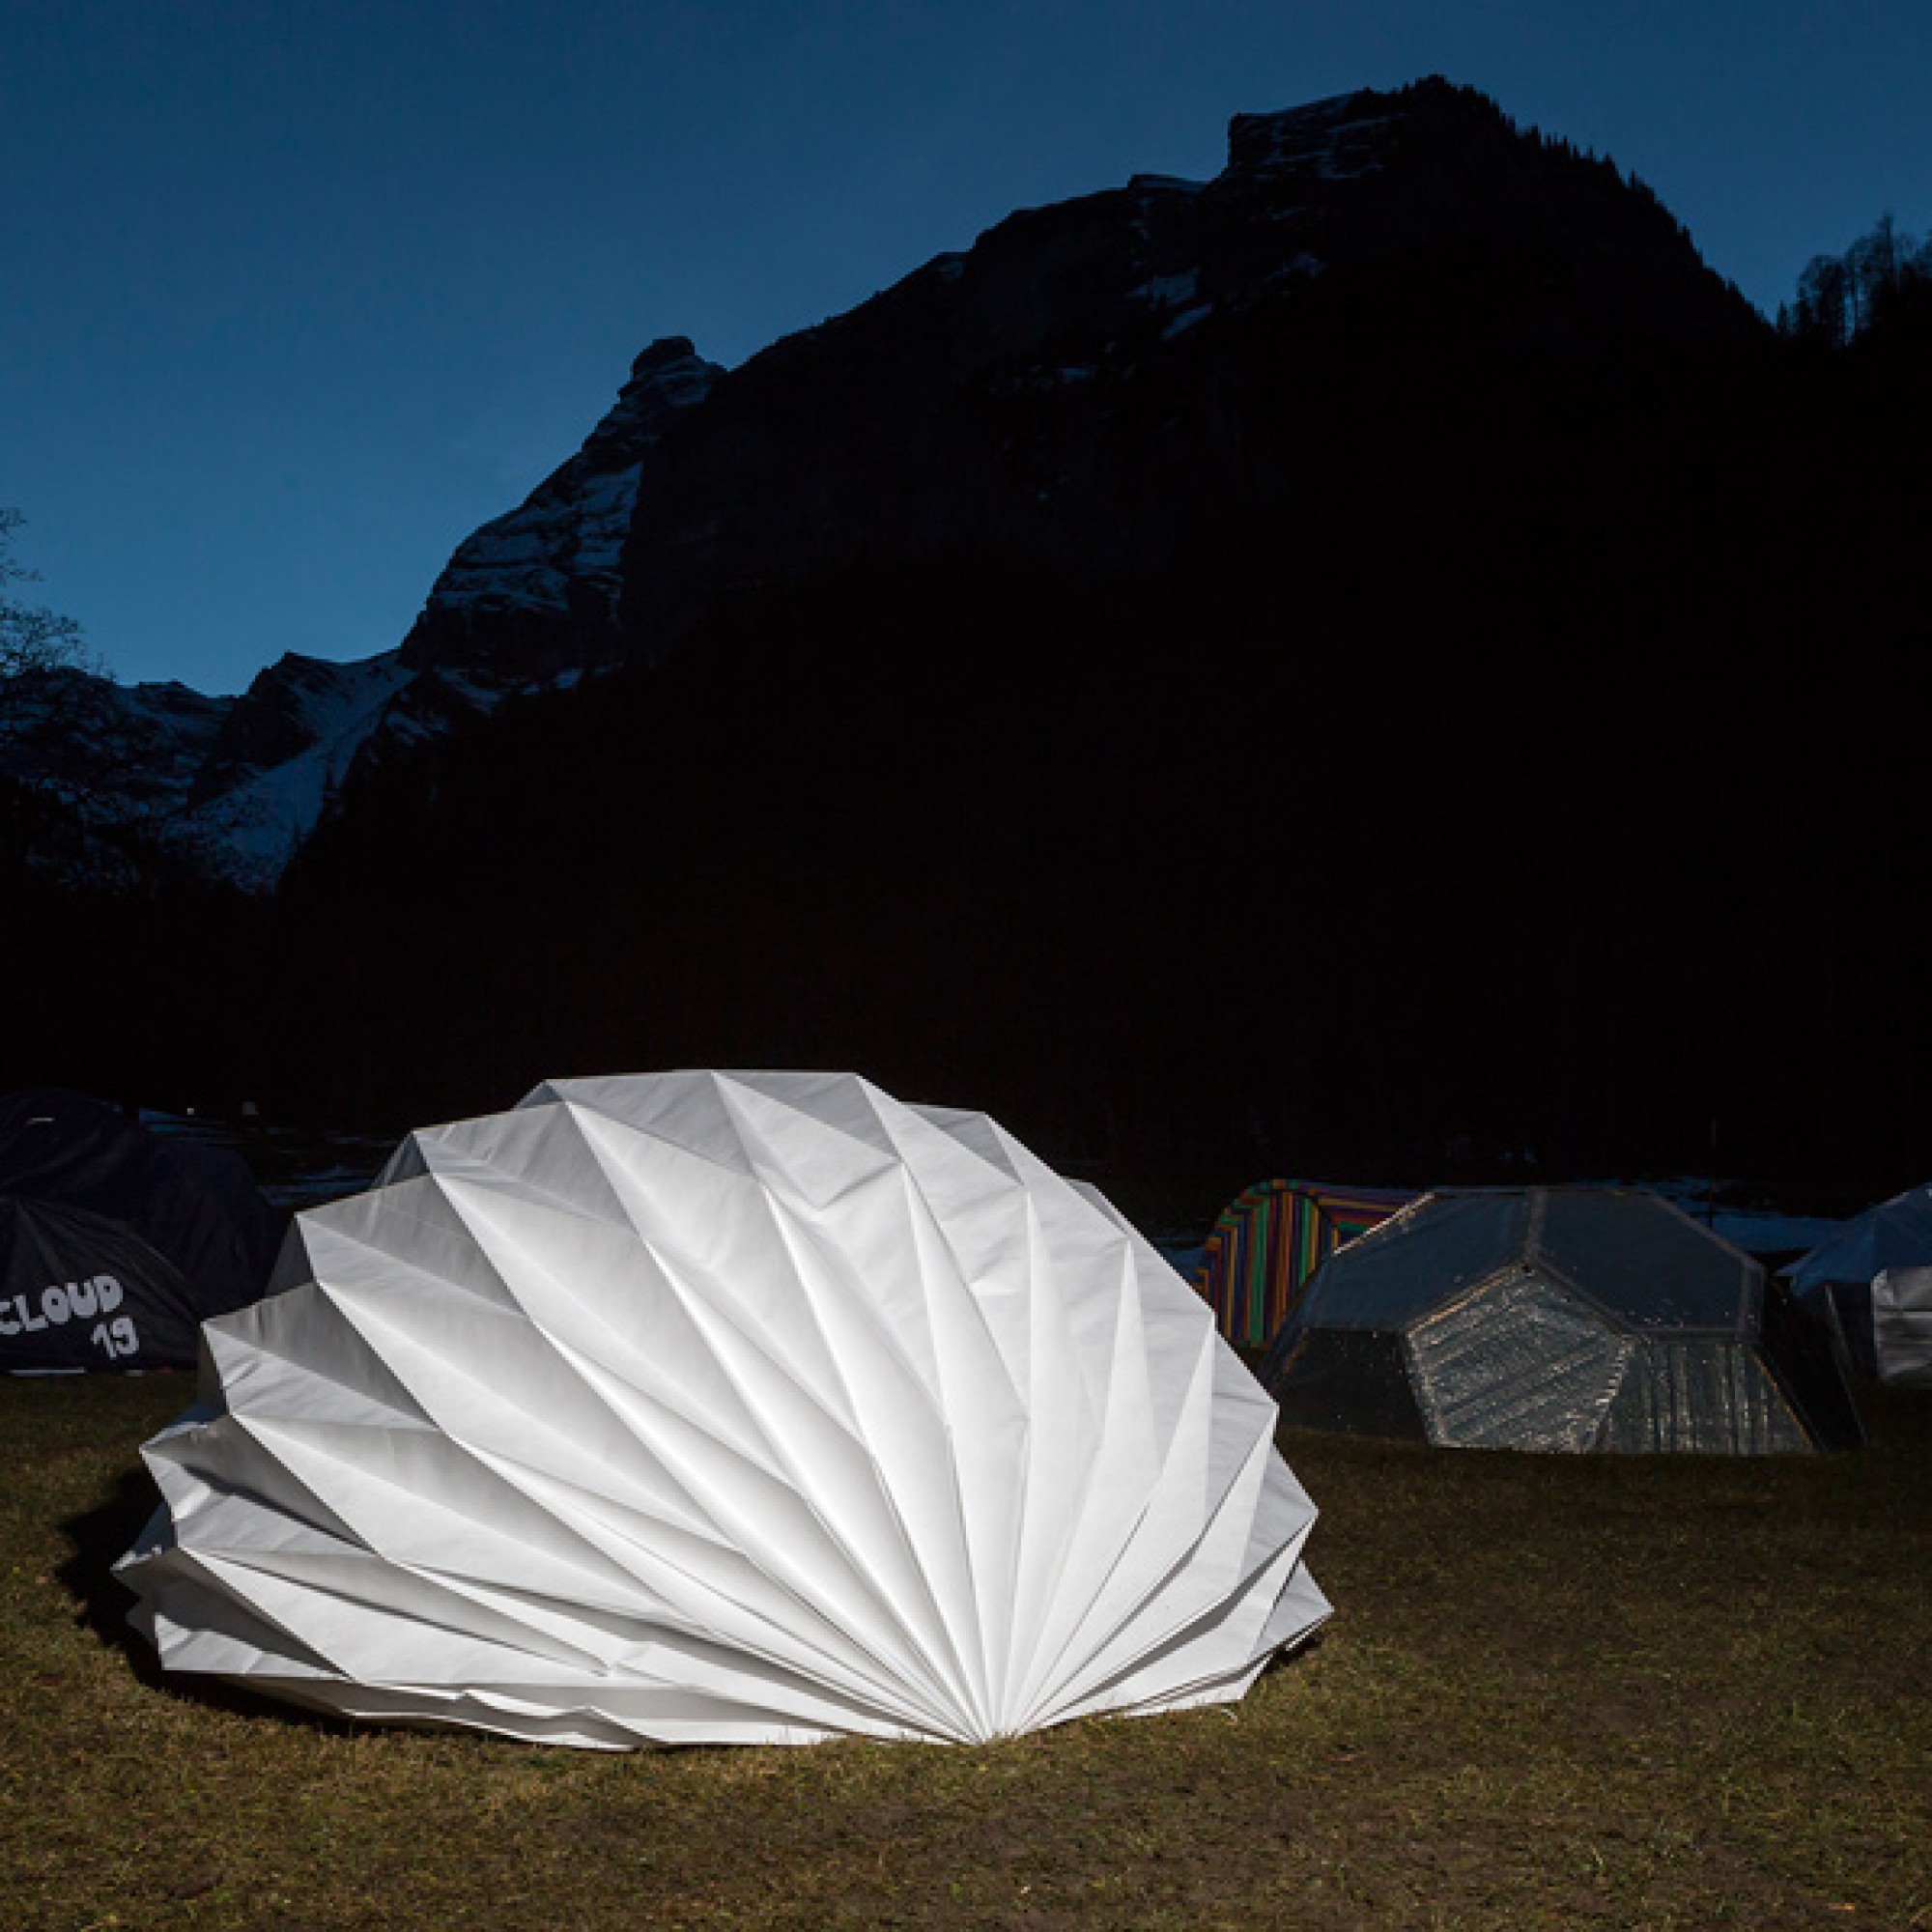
1558	1319
115	1246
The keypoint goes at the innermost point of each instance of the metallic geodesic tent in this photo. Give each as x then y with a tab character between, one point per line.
1558	1319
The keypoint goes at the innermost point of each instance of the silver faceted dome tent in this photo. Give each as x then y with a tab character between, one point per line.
1558	1319
725	1407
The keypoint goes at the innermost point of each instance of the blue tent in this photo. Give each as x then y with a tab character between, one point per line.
1836	1276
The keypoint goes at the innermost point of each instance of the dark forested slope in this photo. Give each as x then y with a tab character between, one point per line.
1379	651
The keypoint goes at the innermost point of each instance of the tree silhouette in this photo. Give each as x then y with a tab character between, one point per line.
31	637
1881	281
33	640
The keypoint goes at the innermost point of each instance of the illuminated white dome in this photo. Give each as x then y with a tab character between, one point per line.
730	1407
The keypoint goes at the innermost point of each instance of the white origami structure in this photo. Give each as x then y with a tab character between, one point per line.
725	1407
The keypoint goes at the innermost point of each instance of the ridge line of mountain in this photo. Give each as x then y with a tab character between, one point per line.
1004	397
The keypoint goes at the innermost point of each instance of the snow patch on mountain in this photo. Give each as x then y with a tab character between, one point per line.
559	552
1326	139
1186	320
247	821
95	745
251	817
236	784
1169	291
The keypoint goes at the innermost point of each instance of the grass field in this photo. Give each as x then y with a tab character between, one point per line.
1666	1693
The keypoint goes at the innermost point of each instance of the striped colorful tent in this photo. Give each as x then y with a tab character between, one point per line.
1271	1239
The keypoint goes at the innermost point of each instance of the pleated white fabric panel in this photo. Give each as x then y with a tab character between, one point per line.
725	1407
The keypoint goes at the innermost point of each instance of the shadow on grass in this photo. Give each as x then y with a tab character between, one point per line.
99	1538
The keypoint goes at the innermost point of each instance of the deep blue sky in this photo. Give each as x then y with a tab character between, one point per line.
296	292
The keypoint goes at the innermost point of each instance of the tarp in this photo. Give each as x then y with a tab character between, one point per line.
1557	1318
1270	1239
745	1407
115	1246
1896	1234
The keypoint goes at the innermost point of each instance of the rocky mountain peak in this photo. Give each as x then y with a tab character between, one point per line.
1039	393
666	377
542	582
1330	139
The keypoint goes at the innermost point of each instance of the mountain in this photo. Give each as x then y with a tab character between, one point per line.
539	588
1092	386
1378	652
231	787
1159	672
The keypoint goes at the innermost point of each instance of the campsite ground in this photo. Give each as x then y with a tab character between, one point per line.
1659	1693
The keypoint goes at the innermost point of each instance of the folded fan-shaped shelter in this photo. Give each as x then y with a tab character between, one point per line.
725	1407
1558	1319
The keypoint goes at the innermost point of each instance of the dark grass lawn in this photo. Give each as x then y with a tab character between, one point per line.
1556	1693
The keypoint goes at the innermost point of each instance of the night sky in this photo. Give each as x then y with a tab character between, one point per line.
297	294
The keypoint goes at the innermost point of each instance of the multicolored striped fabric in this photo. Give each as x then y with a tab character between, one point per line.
1271	1239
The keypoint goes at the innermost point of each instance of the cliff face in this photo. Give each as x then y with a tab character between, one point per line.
232	787
1097	383
537	589
1298	649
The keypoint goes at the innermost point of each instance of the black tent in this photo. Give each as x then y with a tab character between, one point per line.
115	1244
